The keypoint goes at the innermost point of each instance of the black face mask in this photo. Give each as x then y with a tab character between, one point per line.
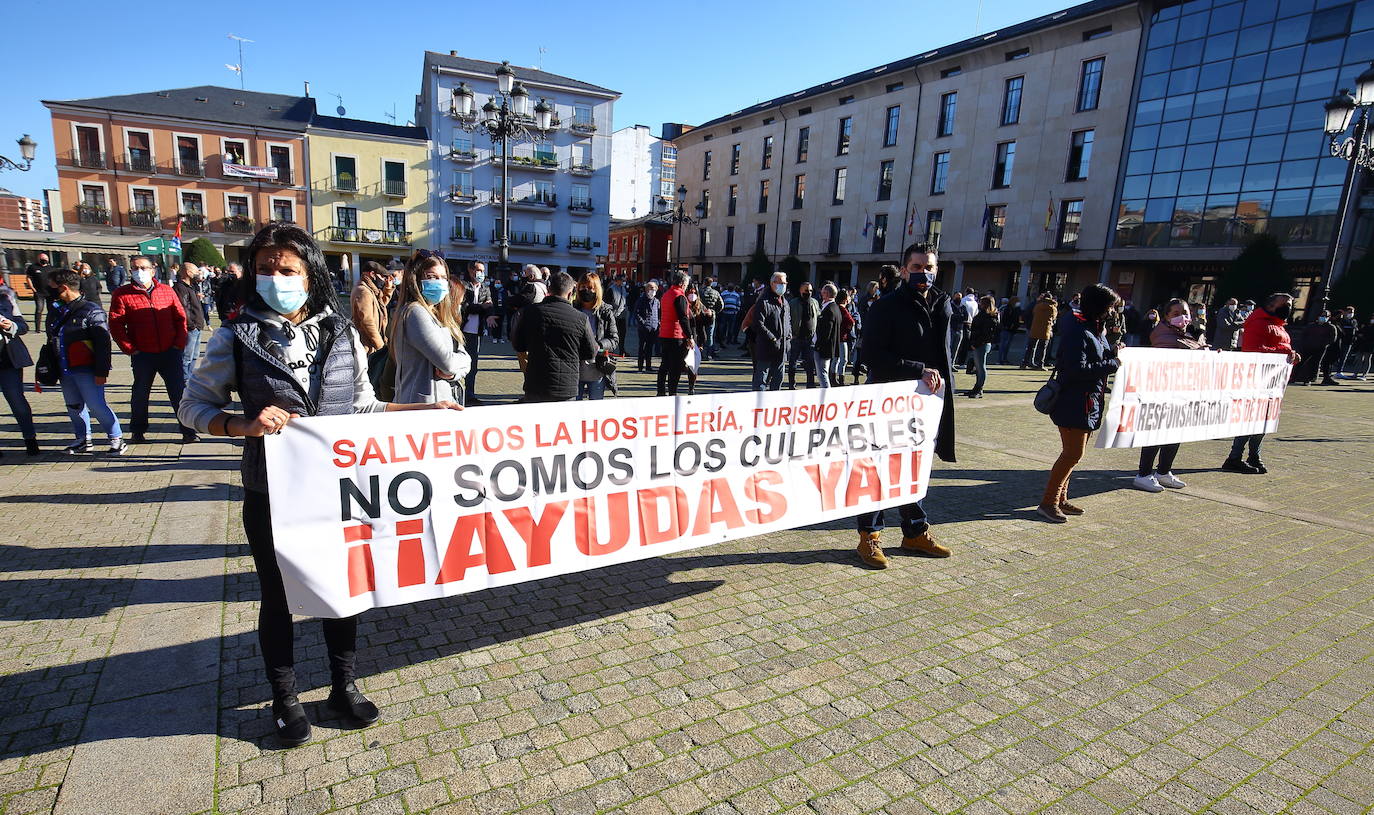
587	296
806	295
1283	311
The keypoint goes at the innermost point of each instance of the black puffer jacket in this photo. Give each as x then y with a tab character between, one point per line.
906	333
829	328
557	338
1085	362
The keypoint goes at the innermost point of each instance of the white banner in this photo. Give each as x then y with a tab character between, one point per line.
388	508
1165	395
249	171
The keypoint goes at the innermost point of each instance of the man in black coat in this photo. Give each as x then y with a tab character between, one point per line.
43	294
907	337
768	325
558	339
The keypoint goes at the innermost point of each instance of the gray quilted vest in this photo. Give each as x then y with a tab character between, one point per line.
264	379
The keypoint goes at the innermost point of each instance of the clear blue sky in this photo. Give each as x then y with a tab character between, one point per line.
685	62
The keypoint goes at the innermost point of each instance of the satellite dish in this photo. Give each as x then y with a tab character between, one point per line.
340	110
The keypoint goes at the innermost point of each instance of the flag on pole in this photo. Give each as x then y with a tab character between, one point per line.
911	222
175	243
868	222
987	214
1049	212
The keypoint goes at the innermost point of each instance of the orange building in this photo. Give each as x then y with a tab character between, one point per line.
223	161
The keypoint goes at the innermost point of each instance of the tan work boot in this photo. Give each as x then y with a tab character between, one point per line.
925	544
870	552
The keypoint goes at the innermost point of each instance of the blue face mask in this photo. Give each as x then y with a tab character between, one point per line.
284	294
927	278
433	290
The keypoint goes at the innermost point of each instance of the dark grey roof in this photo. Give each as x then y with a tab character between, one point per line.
210	103
482	66
374	128
892	68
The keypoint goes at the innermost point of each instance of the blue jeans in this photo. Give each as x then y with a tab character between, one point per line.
592	390
913	517
828	370
84	397
1004	347
190	354
12	385
980	365
473	343
767	373
147	365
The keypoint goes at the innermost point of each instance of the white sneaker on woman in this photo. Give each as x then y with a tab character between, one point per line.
1147	482
1170	480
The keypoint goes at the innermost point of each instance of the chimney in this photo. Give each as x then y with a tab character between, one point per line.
307	88
453	53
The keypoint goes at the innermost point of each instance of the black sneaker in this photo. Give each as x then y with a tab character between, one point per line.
83	446
293	727
1257	465
139	438
349	702
190	437
1235	465
31	446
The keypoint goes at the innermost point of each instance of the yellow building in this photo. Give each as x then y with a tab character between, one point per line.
369	191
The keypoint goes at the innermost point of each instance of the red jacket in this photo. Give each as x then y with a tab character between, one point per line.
147	320
670	322
1264	333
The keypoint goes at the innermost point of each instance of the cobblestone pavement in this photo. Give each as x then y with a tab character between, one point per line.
1207	650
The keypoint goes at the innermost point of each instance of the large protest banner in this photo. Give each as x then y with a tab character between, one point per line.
1165	395
389	508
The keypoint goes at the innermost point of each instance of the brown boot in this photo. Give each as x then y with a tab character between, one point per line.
870	552
925	544
1064	506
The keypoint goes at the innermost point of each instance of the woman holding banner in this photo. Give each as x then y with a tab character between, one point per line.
288	354
1085	361
1173	332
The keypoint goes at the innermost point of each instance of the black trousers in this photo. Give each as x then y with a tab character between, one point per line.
647	340
276	638
1165	452
672	365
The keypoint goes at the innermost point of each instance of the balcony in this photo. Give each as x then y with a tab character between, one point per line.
463	236
194	221
580	167
583	205
192	168
284	176
89	159
93	214
145	218
394	187
535	200
580	244
529	240
352	234
460	194
543	162
240	224
462	155
139	164
583	125
345	183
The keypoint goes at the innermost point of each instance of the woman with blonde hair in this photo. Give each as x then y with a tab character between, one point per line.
594	380
427	333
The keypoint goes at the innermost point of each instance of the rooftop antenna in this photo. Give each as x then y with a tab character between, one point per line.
340	109
978	20
392	114
238	69
542	52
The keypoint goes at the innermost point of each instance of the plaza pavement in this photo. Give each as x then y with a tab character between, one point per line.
1208	650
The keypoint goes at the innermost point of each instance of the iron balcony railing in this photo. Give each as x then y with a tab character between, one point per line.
580	243
580	167
195	168
146	218
584	125
89	159
241	224
539	161
581	204
344	183
193	221
394	187
135	163
463	236
463	154
353	234
535	239
459	192
92	214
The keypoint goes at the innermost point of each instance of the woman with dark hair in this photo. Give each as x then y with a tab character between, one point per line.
1156	469
289	353
701	319
982	333
1085	361
592	382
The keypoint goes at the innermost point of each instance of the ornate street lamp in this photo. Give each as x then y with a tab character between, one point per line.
505	117
678	216
27	148
1354	148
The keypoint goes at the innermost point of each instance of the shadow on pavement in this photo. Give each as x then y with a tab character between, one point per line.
51	558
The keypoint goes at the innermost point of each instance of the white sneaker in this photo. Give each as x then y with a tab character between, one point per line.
1147	483
1170	480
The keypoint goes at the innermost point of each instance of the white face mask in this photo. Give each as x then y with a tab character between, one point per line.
143	277
780	288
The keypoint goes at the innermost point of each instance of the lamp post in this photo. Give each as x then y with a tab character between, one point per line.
27	147
678	215
505	117
1356	149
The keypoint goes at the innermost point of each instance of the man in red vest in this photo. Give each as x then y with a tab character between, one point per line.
1264	333
674	333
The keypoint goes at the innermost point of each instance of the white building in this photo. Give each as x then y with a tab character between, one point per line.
559	187
643	172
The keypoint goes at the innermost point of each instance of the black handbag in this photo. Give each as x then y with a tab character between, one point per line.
48	370
1048	395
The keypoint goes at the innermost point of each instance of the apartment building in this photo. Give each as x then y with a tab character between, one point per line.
640	249
643	172
559	193
20	212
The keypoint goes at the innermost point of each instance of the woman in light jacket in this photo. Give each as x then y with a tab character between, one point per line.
1172	332
427	333
289	353
601	318
14	358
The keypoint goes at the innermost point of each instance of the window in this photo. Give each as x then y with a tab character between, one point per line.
88	153
736	128
1090	83
935	225
879	234
188	155
844	100
1019	53
767	152
706	166
729	241
395	221
948	72
1011	100
668	152
1097	33
667	172
705	203
1002	167
794	239
582	115
939	174
582	157
283	211
949	103
1080	151
140	151
894	87
994	219
769	120
732	202
803	144
894	115
764	186
760	232
581	197
841	177
279	156
346	173
463	179
1070	220
842	144
734	159
92	196
143	201
235	152
1329	23
347	217
236	206
832	244
804	111
799	191
394	177
578	237
885	171
666	190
